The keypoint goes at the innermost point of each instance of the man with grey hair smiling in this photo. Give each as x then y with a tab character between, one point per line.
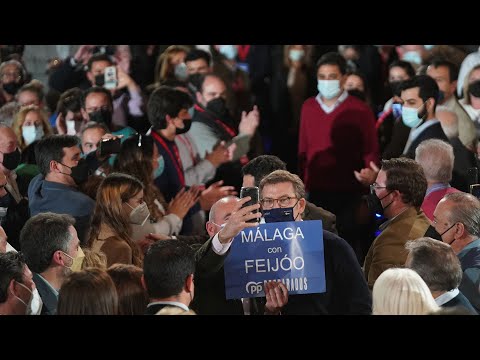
457	220
439	267
436	159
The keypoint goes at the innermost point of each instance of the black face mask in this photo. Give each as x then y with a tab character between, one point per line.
359	94
100	80
101	116
194	82
278	215
187	123
11	88
474	88
218	107
375	203
80	172
11	160
395	86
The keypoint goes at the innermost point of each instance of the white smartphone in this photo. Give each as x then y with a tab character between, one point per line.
110	78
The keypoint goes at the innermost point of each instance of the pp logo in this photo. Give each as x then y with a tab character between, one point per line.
254	287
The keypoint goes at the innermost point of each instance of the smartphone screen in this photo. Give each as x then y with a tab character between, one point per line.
254	193
110	147
110	77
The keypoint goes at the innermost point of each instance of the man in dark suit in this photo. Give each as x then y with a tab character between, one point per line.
420	97
347	291
169	265
52	251
440	268
256	169
168	271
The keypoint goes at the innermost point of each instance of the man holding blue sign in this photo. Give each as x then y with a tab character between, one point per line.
345	290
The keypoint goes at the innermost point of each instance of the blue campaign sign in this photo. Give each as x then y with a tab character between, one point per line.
291	252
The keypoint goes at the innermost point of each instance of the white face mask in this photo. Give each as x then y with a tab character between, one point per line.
34	306
140	214
73	127
30	133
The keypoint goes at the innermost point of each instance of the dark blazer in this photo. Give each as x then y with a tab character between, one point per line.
210	285
313	212
432	132
461	300
49	298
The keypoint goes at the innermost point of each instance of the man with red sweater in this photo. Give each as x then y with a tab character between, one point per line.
436	158
337	136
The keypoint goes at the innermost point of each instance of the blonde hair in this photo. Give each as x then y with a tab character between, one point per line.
94	259
164	68
20	119
399	291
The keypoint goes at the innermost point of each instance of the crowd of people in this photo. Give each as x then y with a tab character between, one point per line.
120	177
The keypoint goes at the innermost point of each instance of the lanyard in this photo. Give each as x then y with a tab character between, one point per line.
176	159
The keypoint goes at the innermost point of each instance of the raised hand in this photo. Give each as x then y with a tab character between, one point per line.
249	122
238	220
213	193
367	176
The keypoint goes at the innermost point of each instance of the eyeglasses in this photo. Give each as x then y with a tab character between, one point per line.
375	186
282	202
11	75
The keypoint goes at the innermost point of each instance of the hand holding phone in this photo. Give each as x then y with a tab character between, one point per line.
254	193
110	146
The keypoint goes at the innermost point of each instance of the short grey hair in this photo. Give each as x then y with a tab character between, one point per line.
436	158
466	211
42	235
281	176
435	262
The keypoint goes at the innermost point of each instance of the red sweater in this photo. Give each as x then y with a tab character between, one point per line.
332	146
431	200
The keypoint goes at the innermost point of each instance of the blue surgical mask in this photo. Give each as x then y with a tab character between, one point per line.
328	88
31	133
413	57
191	111
161	167
396	110
229	51
410	116
296	55
278	215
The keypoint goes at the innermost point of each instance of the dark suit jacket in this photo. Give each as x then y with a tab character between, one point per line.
432	132
49	298
461	300
313	212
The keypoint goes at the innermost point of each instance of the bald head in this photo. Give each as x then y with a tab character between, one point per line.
220	213
211	88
